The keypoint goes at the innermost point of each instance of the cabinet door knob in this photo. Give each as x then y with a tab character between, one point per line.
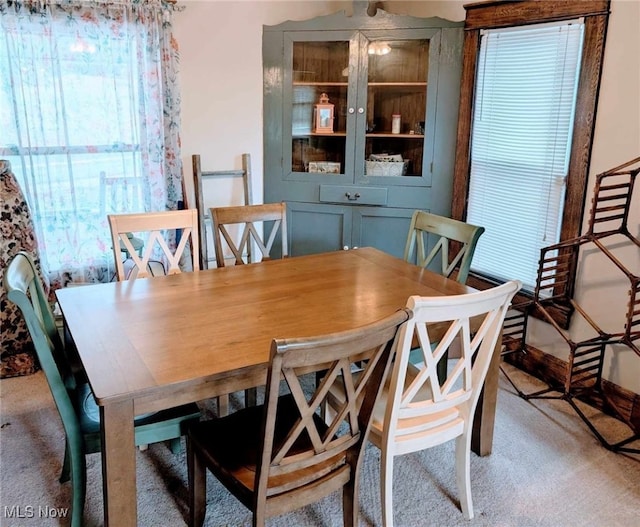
360	110
352	198
352	110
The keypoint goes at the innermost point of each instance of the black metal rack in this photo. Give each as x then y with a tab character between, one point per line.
554	287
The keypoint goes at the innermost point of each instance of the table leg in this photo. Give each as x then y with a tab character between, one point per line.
482	436
119	464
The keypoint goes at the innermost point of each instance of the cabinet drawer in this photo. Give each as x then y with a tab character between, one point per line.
353	195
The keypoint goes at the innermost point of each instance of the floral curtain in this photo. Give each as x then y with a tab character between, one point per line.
90	121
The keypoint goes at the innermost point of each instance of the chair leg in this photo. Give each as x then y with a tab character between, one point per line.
223	405
386	487
197	487
65	473
463	473
350	493
175	445
327	413
78	467
250	397
259	517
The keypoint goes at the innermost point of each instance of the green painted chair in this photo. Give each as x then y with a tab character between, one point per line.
75	402
427	228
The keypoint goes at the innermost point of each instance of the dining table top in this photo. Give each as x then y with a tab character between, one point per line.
136	337
156	343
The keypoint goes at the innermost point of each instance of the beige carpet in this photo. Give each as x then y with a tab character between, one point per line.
546	470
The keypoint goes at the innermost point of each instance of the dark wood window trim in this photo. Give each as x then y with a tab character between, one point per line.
492	15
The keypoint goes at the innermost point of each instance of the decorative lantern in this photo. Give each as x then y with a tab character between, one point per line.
323	116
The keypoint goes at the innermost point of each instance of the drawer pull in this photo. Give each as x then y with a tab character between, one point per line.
350	198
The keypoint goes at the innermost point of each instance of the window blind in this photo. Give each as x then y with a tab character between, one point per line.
521	137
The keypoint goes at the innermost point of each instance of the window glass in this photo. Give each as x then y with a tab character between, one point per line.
520	144
87	125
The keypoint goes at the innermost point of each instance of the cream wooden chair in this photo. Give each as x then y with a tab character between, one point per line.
282	456
248	216
120	194
416	410
154	224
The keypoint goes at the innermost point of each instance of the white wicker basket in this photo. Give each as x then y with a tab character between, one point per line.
386	168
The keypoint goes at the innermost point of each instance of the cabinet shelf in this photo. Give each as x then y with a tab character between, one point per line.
384	135
370	84
389	135
313	134
398	84
305	83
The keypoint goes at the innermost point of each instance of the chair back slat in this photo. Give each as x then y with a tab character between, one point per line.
155	225
440	230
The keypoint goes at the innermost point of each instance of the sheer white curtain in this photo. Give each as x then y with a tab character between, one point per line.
89	121
520	144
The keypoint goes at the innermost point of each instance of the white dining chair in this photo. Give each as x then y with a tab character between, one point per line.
417	411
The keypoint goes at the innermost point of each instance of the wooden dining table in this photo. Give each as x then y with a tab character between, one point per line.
155	343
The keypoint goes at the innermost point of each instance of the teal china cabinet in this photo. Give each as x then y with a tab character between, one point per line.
360	118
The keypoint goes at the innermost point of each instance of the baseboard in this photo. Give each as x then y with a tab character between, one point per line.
552	370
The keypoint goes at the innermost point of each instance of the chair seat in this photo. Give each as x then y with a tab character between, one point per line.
154	268
230	446
336	398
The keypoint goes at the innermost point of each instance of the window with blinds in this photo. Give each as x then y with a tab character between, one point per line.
523	117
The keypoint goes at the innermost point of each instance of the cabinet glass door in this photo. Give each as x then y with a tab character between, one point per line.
396	109
320	82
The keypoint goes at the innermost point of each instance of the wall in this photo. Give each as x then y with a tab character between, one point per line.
221	78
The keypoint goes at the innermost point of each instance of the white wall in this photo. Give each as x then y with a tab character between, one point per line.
221	79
